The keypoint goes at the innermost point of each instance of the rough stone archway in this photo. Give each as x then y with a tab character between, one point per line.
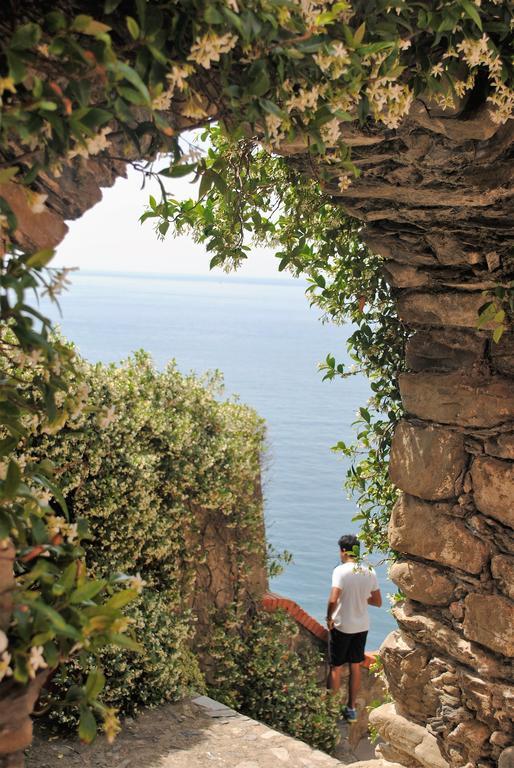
436	200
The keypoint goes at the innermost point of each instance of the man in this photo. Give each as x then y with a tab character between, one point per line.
354	587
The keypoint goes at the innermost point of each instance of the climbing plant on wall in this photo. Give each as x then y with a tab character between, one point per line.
78	88
262	199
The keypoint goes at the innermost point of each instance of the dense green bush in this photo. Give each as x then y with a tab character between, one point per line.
158	447
260	671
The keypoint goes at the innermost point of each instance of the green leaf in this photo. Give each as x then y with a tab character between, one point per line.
87	591
121	599
133	27
111	5
6	174
179	170
206	183
87	725
40	258
26	36
124	641
498	333
133	78
94	684
86	25
12	480
472	12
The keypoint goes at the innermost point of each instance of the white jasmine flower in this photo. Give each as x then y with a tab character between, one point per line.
137	583
36	201
5	669
3	641
36	661
106	416
178	76
71	532
193	108
93	145
344	182
437	70
210	47
330	132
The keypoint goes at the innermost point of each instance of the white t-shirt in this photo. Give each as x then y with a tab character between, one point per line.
357	582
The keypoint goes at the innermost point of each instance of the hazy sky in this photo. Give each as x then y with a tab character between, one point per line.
110	238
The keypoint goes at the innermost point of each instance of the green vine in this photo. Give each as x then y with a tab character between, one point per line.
259	199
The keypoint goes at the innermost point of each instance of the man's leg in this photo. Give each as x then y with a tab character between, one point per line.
334	679
354	684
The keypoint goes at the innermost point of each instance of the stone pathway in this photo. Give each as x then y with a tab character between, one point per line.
198	733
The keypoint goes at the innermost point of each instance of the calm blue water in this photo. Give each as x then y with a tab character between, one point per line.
267	342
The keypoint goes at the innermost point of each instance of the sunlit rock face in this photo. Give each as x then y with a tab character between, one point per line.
434	196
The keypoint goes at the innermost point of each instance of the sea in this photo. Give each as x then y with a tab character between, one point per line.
267	342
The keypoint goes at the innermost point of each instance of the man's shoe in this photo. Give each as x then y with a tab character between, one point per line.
350	714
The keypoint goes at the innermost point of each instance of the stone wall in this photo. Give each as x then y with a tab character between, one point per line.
436	197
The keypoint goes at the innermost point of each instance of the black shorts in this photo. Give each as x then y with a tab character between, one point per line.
343	648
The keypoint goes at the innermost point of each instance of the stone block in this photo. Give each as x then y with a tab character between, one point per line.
502	355
428	530
489	620
35	231
422	582
407	737
408	673
444	350
451	308
501	446
506	759
436	635
470	736
455	398
502	569
405	275
493	488
428	462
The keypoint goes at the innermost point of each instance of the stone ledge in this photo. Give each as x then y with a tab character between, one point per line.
188	734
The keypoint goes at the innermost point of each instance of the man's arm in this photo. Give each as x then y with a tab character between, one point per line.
375	598
335	593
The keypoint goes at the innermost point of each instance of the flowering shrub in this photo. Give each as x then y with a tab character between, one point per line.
157	448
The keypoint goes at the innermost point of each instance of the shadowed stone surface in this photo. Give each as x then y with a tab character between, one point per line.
489	620
502	569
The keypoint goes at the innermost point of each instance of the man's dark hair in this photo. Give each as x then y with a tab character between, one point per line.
348	542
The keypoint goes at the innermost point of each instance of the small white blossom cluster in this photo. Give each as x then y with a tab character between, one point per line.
92	146
334	63
106	416
58	284
390	101
57	525
36	201
209	47
36	661
5	665
478	53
